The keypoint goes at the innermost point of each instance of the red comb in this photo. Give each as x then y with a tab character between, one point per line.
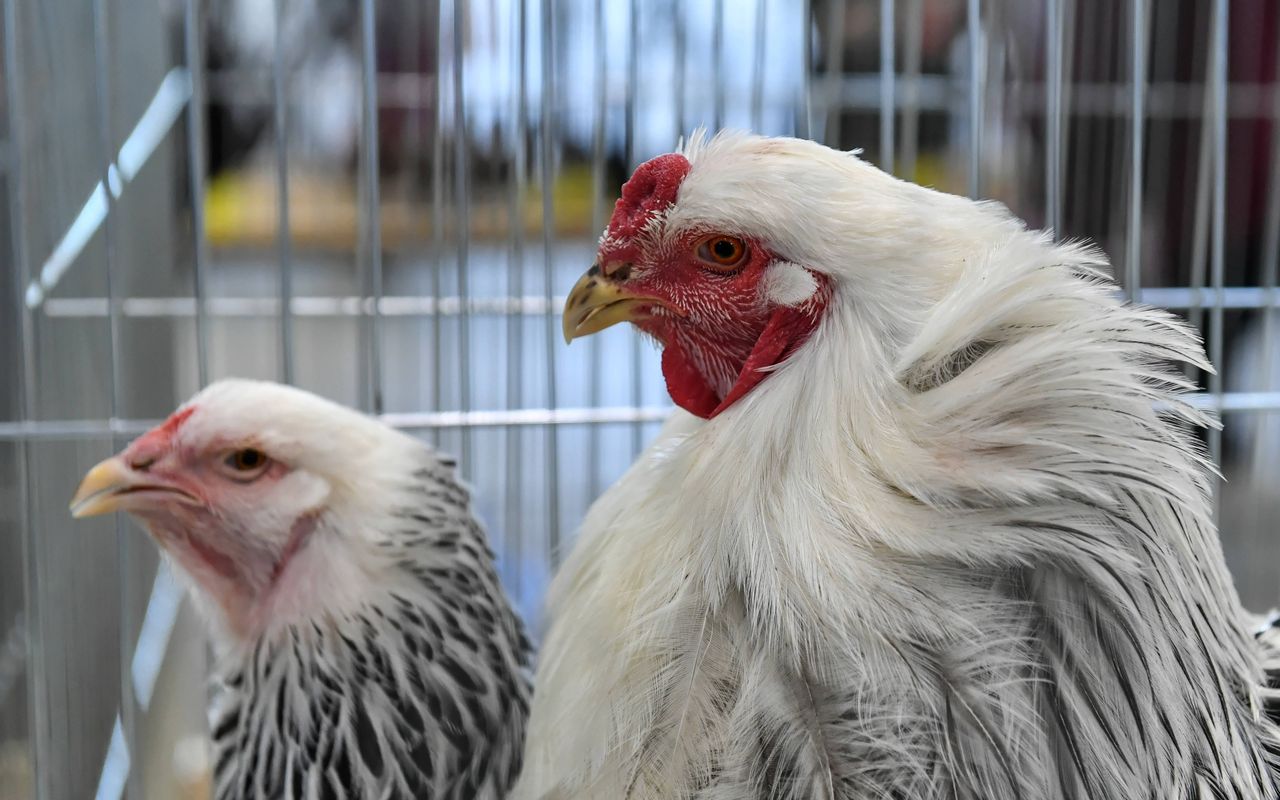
159	436
651	188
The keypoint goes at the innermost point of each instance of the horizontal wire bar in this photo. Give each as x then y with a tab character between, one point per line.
1172	297
53	430
861	91
57	430
336	306
855	91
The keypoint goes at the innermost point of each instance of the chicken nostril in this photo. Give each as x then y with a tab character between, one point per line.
142	464
618	270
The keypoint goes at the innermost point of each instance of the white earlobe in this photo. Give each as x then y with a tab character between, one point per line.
788	284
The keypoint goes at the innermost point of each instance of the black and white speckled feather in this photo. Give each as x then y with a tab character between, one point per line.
419	691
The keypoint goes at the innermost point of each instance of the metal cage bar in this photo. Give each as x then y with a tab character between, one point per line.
371	216
1218	57
284	247
193	49
1137	115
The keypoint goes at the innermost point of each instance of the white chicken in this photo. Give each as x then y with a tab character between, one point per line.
929	525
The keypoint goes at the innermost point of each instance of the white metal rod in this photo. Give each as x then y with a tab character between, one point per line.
194	45
514	444
680	45
595	353
163	110
717	61
757	67
805	123
371	205
888	67
283	244
437	218
1137	112
1053	118
633	83
75	429
547	174
1218	56
461	204
976	76
1174	297
72	429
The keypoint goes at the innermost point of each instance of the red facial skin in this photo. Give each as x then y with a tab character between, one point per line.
717	328
199	513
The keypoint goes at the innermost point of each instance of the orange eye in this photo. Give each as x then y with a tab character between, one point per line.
722	252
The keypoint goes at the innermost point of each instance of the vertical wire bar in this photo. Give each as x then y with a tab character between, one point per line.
39	734
547	169
1165	54
596	353
833	85
1219	89
681	50
1053	119
717	62
1137	129
462	199
193	41
437	226
371	204
806	75
757	73
912	64
976	53
888	67
1268	274
1204	164
111	180
629	147
280	101
515	321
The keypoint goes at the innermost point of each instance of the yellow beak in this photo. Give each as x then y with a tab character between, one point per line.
596	302
102	488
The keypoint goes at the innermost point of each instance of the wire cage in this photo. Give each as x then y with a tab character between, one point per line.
384	202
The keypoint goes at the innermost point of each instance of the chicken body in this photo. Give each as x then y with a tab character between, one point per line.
953	540
364	646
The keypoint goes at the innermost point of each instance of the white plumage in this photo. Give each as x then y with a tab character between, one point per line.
960	544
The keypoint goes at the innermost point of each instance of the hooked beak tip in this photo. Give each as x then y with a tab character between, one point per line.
99	492
596	302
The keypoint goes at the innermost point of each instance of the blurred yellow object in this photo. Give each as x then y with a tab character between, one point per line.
15	771
241	211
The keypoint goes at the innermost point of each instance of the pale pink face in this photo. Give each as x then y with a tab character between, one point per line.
701	292
224	507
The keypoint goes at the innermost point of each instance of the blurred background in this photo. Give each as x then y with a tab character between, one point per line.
385	202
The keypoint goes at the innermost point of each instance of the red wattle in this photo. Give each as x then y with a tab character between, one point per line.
787	329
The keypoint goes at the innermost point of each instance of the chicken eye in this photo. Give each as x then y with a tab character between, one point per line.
722	252
246	463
